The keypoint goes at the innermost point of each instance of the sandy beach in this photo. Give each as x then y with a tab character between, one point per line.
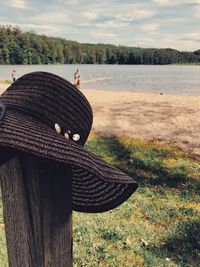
171	119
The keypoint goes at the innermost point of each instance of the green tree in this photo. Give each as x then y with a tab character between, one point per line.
17	47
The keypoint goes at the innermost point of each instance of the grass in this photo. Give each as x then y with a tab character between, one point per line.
157	227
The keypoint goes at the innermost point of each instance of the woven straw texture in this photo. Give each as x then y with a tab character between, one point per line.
34	103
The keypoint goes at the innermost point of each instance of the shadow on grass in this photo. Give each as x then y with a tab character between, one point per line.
146	165
184	246
109	146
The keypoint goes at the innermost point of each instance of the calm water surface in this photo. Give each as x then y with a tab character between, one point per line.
136	78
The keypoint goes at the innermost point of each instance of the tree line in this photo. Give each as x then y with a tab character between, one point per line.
17	47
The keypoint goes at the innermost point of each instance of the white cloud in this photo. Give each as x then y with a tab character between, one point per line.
162	2
192	34
90	15
112	24
40	27
69	2
197	11
5	22
136	14
51	17
176	20
175	41
43	29
83	24
19	4
102	34
142	40
150	27
175	2
102	37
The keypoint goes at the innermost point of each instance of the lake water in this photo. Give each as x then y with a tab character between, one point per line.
136	78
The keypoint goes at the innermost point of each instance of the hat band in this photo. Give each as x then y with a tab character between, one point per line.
2	112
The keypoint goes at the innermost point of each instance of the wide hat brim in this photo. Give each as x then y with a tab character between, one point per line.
96	185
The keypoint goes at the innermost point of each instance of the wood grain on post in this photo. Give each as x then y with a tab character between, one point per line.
37	204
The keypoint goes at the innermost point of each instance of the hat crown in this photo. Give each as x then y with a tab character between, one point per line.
52	100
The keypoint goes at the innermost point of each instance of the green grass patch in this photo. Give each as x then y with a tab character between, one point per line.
158	226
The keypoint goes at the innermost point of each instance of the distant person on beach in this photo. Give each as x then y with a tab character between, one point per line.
14	76
77	79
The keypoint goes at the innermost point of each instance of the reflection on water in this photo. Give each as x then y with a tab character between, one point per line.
166	79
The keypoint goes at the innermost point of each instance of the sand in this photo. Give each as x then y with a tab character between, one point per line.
171	119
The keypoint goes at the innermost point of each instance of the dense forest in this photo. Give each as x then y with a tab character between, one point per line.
17	47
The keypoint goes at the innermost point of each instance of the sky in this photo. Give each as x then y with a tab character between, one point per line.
149	23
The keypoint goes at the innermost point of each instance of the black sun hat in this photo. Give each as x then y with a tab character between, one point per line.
44	115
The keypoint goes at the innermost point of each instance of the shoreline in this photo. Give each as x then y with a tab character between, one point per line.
169	119
83	89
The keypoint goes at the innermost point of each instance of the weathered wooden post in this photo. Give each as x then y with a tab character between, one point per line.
46	173
37	202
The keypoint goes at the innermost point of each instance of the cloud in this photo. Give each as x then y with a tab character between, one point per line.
184	44
143	40
150	27
90	15
103	37
112	24
136	14
51	17
71	2
19	4
40	27
102	34
176	20
148	23
43	29
84	24
191	40
192	34
162	2
197	11
176	41
175	2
